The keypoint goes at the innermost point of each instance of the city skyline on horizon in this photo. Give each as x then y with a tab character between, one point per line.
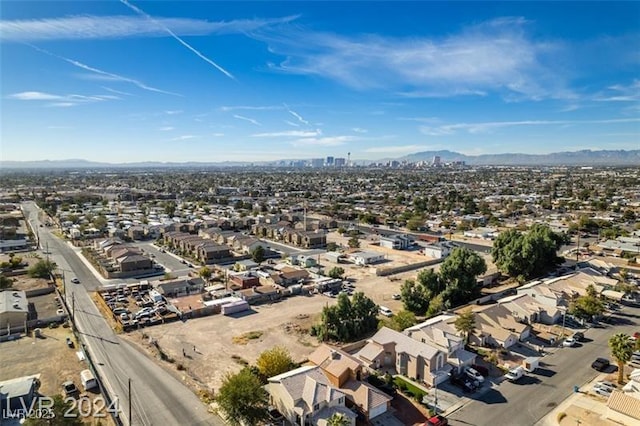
129	81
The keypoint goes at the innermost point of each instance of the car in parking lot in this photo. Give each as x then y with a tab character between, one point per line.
69	342
600	364
569	342
605	384
578	336
75	280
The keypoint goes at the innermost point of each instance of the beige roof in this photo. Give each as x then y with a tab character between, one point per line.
625	404
404	343
307	385
365	395
370	351
334	361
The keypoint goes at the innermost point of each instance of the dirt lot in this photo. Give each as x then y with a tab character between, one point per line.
48	356
222	343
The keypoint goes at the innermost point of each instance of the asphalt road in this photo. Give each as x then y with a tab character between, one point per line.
157	397
531	398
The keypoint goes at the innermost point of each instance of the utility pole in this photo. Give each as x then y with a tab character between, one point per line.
129	400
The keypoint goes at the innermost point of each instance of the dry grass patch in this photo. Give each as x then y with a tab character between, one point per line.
243	339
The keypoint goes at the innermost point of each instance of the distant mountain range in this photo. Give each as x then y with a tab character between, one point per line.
575	158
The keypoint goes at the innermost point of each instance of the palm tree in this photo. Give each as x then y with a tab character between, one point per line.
466	324
338	419
621	349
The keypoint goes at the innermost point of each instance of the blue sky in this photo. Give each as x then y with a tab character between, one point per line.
125	81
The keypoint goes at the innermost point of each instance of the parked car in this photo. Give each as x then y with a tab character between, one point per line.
481	369
70	342
75	280
396	297
602	391
569	342
600	364
437	420
464	382
475	375
515	374
605	384
69	388
578	336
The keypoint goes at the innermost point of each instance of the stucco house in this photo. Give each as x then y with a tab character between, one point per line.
305	396
390	350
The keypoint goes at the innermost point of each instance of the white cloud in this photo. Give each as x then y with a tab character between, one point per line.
106	27
60	100
249	108
621	93
296	115
326	141
474	128
173	112
289	133
166	128
496	56
250	120
217	135
117	92
184	137
397	149
359	130
292	124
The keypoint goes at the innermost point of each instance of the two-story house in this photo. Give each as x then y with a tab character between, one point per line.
305	396
395	352
347	373
441	333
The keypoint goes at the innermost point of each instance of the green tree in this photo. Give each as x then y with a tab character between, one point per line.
274	361
525	256
460	272
354	242
336	272
332	246
15	261
42	269
5	282
205	273
347	319
65	413
258	254
621	349
436	305
466	324
401	320
587	306
242	399
338	419
170	208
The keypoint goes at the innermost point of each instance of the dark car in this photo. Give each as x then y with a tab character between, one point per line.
578	336
600	364
464	383
70	342
69	388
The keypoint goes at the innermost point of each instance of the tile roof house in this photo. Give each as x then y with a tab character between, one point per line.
623	408
347	372
394	351
441	333
304	396
529	310
496	326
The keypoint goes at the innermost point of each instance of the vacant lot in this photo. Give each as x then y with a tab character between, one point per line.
216	345
48	356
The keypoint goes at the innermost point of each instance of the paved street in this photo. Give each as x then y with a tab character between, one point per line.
157	397
526	402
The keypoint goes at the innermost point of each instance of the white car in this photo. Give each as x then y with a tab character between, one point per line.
75	281
602	391
472	373
605	385
569	342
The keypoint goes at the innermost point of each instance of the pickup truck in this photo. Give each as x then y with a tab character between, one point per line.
515	374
